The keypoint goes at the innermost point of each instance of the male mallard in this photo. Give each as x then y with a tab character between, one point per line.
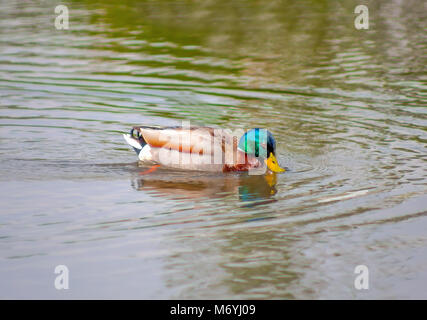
205	148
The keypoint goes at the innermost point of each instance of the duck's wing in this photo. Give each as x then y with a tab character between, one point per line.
201	140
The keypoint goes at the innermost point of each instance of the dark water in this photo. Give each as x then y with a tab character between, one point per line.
347	108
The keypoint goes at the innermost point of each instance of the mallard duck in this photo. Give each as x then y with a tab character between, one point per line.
205	148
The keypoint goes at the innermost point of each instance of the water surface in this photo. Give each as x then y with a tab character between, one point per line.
347	108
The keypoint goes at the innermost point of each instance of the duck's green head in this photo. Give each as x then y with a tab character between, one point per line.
260	143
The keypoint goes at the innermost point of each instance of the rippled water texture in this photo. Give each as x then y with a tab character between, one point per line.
347	108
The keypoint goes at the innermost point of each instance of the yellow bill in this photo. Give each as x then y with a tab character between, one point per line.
272	164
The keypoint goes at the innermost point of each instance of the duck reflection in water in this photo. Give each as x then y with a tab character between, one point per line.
252	190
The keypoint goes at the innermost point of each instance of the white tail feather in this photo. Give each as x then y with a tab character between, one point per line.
132	142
